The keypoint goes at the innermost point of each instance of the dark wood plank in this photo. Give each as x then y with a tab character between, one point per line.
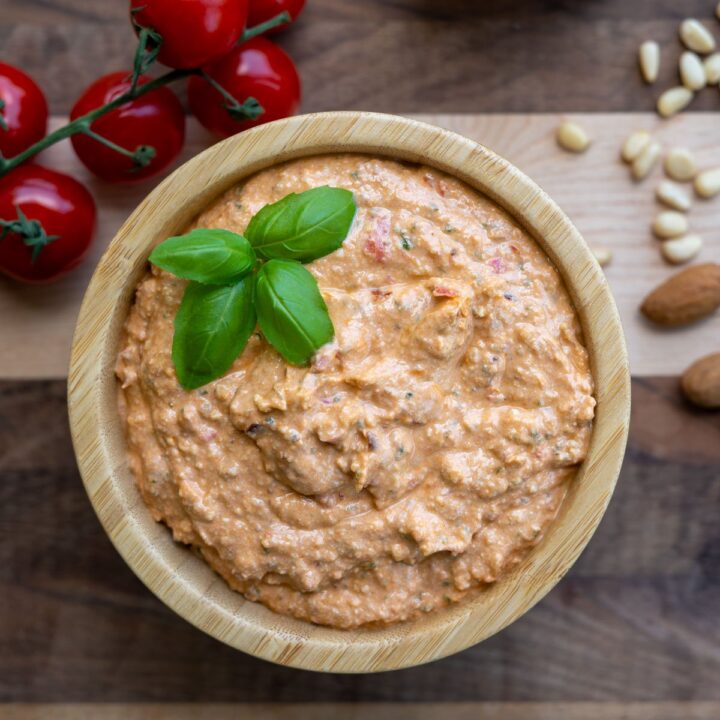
636	619
367	711
402	55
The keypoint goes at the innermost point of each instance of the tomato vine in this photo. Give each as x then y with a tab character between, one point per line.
146	53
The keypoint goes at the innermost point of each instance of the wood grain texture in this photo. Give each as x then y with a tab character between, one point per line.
635	619
402	55
183	581
594	189
374	711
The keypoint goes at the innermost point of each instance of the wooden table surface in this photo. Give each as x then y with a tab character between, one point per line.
632	632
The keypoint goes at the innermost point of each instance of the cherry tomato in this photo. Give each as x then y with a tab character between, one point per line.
258	69
193	32
24	111
262	10
156	120
61	206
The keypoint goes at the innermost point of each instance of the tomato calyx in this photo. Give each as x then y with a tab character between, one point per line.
31	231
3	122
143	155
248	109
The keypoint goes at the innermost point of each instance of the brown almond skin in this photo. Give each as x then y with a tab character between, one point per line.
685	297
701	382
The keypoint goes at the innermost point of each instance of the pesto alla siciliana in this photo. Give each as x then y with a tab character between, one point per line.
427	447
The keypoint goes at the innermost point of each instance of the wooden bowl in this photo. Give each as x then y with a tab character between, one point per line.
182	580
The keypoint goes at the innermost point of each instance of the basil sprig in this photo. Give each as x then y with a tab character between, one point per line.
236	283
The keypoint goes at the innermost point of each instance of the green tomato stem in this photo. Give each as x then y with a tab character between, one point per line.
142	155
149	43
108	143
82	124
279	19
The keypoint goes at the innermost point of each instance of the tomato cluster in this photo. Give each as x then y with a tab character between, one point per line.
237	79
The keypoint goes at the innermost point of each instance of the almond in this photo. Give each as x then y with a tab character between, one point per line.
701	382
685	297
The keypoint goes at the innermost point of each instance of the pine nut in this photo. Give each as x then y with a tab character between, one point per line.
602	255
707	183
674	100
681	249
712	69
649	57
680	165
635	144
673	195
670	224
696	36
570	136
692	71
646	160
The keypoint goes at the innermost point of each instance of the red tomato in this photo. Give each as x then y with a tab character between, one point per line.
155	119
193	32
62	207
262	10
257	68
24	111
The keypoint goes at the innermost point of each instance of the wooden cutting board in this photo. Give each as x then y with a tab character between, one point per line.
593	188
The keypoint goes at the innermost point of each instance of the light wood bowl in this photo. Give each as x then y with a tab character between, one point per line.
182	580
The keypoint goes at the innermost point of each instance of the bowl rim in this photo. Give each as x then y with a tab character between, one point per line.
183	581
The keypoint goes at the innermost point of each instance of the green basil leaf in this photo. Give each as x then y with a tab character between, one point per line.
291	312
212	327
206	255
303	226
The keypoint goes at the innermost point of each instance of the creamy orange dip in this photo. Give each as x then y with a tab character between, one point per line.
428	447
